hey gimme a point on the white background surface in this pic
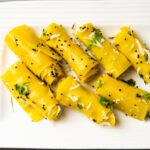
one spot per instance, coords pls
(73, 130)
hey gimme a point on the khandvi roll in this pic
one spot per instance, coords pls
(56, 37)
(70, 93)
(129, 44)
(31, 93)
(39, 58)
(107, 55)
(132, 101)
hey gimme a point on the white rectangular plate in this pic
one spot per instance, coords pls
(73, 130)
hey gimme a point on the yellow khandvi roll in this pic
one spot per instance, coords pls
(129, 44)
(70, 93)
(132, 101)
(56, 37)
(107, 55)
(39, 58)
(31, 93)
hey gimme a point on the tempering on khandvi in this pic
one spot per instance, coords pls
(72, 94)
(39, 58)
(56, 37)
(107, 55)
(32, 94)
(49, 66)
(131, 46)
(132, 101)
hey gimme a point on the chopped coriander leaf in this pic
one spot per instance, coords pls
(104, 102)
(12, 104)
(110, 106)
(130, 82)
(96, 37)
(79, 106)
(100, 84)
(43, 32)
(146, 96)
(89, 47)
(146, 57)
(22, 89)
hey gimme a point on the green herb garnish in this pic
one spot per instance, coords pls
(22, 89)
(96, 37)
(79, 106)
(130, 82)
(43, 32)
(146, 57)
(100, 84)
(146, 96)
(104, 102)
(89, 47)
(12, 104)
